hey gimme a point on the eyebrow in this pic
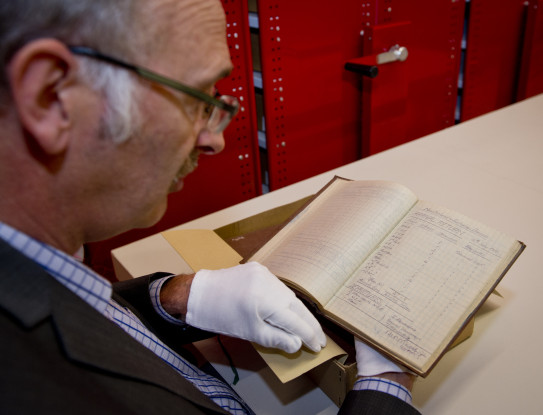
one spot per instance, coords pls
(212, 80)
(226, 72)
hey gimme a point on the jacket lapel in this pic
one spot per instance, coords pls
(30, 295)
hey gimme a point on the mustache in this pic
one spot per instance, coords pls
(190, 164)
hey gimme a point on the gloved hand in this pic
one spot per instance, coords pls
(370, 362)
(249, 302)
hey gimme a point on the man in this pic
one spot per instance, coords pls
(91, 145)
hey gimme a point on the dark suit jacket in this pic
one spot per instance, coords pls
(59, 356)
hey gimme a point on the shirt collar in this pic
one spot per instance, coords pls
(80, 279)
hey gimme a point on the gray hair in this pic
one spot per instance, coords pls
(121, 116)
(112, 26)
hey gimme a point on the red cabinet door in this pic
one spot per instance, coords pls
(417, 96)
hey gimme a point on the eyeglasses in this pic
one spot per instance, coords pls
(220, 109)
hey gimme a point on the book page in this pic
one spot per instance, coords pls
(415, 291)
(330, 238)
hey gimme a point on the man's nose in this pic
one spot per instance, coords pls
(210, 143)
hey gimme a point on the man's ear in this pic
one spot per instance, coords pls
(39, 74)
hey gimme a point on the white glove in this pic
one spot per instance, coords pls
(249, 302)
(370, 362)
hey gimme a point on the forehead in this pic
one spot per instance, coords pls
(193, 40)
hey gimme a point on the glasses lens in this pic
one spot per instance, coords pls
(220, 118)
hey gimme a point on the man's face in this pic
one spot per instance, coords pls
(154, 161)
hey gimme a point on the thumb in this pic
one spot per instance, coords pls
(292, 323)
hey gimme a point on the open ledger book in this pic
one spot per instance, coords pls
(402, 274)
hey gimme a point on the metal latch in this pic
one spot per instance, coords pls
(367, 65)
(395, 53)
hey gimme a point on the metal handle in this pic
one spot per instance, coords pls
(395, 53)
(367, 65)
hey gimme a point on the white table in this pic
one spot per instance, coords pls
(490, 168)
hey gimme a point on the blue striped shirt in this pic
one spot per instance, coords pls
(384, 385)
(97, 291)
